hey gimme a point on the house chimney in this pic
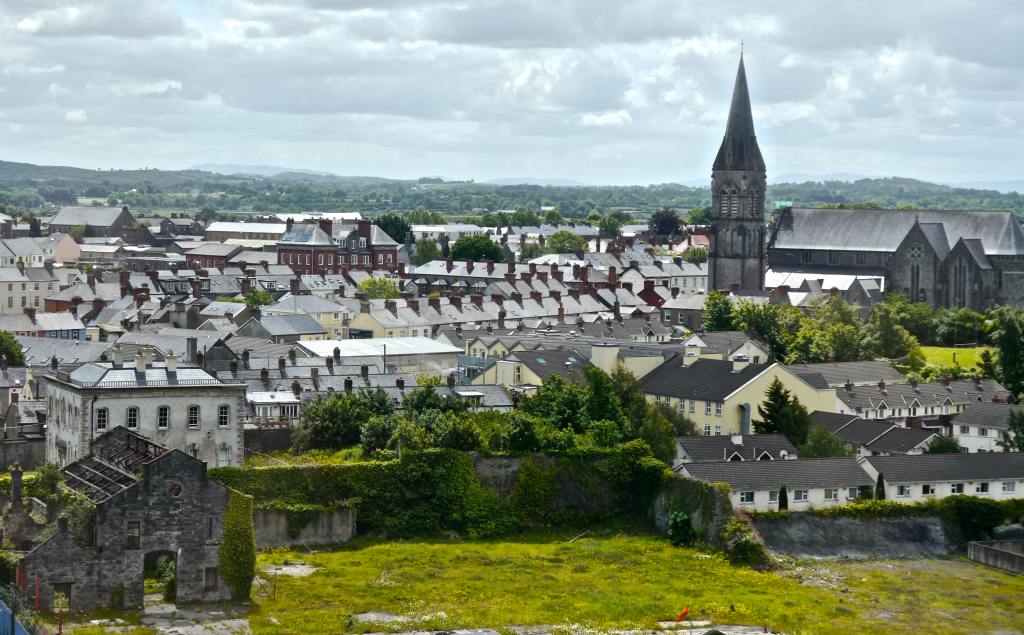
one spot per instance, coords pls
(326, 225)
(414, 304)
(448, 266)
(97, 304)
(348, 384)
(477, 299)
(90, 279)
(172, 362)
(233, 367)
(293, 285)
(314, 373)
(649, 286)
(296, 388)
(456, 301)
(337, 355)
(435, 303)
(391, 306)
(881, 385)
(400, 383)
(197, 288)
(117, 359)
(675, 292)
(536, 296)
(469, 266)
(191, 349)
(613, 276)
(628, 286)
(245, 358)
(511, 268)
(364, 370)
(264, 375)
(739, 363)
(140, 361)
(53, 363)
(490, 267)
(31, 313)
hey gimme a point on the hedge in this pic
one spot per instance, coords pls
(237, 549)
(425, 493)
(965, 518)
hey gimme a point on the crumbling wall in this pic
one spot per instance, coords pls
(810, 536)
(275, 529)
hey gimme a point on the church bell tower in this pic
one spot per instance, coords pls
(738, 184)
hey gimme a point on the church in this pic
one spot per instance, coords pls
(950, 258)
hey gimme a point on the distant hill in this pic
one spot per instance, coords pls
(255, 170)
(529, 180)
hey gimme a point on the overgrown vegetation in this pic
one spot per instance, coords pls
(237, 550)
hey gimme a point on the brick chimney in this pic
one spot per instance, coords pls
(326, 225)
(293, 285)
(414, 304)
(365, 228)
(435, 303)
(456, 301)
(490, 267)
(613, 276)
(31, 313)
(628, 286)
(536, 296)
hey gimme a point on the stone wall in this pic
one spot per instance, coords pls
(810, 536)
(498, 474)
(1006, 555)
(26, 451)
(323, 529)
(267, 439)
(707, 505)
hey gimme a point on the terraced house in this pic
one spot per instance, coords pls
(329, 247)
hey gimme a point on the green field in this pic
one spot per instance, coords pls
(943, 355)
(624, 580)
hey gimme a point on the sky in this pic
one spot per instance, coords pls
(598, 91)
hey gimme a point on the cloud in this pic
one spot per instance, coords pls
(488, 88)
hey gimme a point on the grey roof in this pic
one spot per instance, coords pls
(705, 379)
(877, 436)
(976, 249)
(39, 350)
(724, 342)
(307, 234)
(304, 304)
(884, 230)
(862, 398)
(987, 414)
(704, 448)
(739, 149)
(935, 233)
(833, 374)
(298, 324)
(106, 375)
(94, 216)
(544, 363)
(918, 468)
(771, 475)
(113, 465)
(43, 322)
(216, 249)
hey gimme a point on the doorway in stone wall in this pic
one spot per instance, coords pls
(160, 570)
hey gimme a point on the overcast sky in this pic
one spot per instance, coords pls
(600, 91)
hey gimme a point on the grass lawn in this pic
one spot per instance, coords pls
(943, 355)
(623, 580)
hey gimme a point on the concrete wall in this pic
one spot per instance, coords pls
(28, 452)
(325, 528)
(1007, 555)
(810, 536)
(498, 474)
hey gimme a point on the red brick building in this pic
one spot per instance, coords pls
(326, 247)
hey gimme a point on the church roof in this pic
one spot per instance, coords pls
(884, 229)
(739, 149)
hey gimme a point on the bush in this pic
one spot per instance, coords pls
(742, 545)
(238, 546)
(680, 531)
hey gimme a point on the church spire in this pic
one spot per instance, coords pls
(739, 151)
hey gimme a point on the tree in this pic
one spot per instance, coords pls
(699, 216)
(566, 242)
(427, 398)
(987, 364)
(529, 251)
(420, 216)
(658, 432)
(426, 251)
(11, 347)
(717, 312)
(783, 413)
(375, 433)
(610, 227)
(257, 298)
(880, 487)
(1012, 439)
(476, 249)
(78, 232)
(884, 336)
(783, 498)
(664, 222)
(696, 255)
(942, 444)
(822, 444)
(553, 217)
(379, 288)
(602, 402)
(336, 421)
(395, 226)
(1008, 338)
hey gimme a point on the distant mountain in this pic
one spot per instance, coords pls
(529, 180)
(1003, 187)
(800, 177)
(254, 170)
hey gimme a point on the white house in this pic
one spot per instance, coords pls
(981, 425)
(810, 483)
(923, 477)
(182, 408)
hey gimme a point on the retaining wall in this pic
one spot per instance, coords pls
(810, 536)
(324, 528)
(1007, 555)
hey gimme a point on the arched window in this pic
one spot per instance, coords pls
(131, 418)
(224, 416)
(193, 417)
(102, 416)
(915, 281)
(163, 417)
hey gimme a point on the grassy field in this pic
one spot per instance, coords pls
(943, 355)
(616, 580)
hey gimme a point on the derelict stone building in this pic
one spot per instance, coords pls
(149, 500)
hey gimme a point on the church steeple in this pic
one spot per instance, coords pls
(739, 151)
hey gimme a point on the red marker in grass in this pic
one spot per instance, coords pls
(683, 615)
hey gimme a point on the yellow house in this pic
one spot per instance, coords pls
(720, 396)
(332, 316)
(528, 369)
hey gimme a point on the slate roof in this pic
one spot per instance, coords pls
(704, 379)
(261, 228)
(923, 468)
(771, 475)
(222, 250)
(834, 374)
(884, 230)
(296, 324)
(39, 350)
(705, 448)
(105, 375)
(43, 322)
(724, 342)
(987, 414)
(93, 216)
(863, 398)
(876, 436)
(544, 363)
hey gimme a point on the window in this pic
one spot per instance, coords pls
(380, 259)
(707, 430)
(320, 260)
(355, 259)
(903, 490)
(518, 374)
(965, 429)
(982, 432)
(718, 431)
(209, 528)
(291, 259)
(956, 488)
(102, 416)
(981, 488)
(718, 408)
(927, 490)
(210, 579)
(391, 257)
(330, 259)
(131, 418)
(800, 495)
(773, 496)
(707, 407)
(366, 259)
(746, 498)
(693, 405)
(805, 257)
(1009, 486)
(224, 415)
(852, 493)
(163, 416)
(862, 258)
(831, 494)
(223, 456)
(134, 535)
(833, 257)
(362, 242)
(309, 259)
(193, 416)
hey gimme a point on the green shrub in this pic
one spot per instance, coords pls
(743, 546)
(238, 546)
(680, 531)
